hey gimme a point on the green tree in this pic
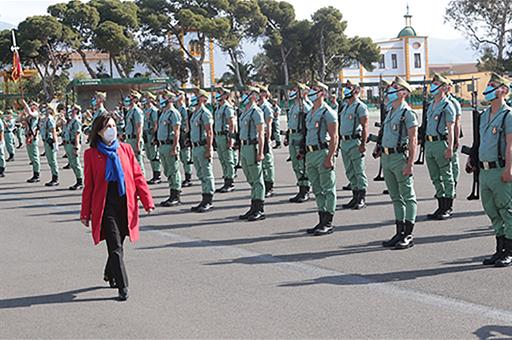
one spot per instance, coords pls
(111, 37)
(488, 25)
(82, 19)
(244, 70)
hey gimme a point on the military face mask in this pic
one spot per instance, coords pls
(490, 93)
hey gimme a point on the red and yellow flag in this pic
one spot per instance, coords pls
(17, 70)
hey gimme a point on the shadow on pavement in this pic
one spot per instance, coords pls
(494, 332)
(64, 297)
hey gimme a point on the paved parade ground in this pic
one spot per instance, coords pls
(213, 276)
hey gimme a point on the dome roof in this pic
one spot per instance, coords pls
(407, 31)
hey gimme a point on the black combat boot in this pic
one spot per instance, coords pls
(321, 221)
(327, 227)
(34, 178)
(506, 254)
(295, 198)
(444, 212)
(173, 200)
(11, 158)
(249, 212)
(66, 167)
(258, 213)
(407, 240)
(360, 200)
(227, 187)
(498, 254)
(435, 214)
(304, 194)
(269, 189)
(54, 182)
(2, 169)
(207, 203)
(78, 185)
(157, 179)
(188, 181)
(449, 206)
(347, 187)
(397, 237)
(352, 202)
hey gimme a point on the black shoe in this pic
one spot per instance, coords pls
(321, 221)
(444, 213)
(123, 294)
(352, 202)
(269, 189)
(78, 185)
(506, 258)
(54, 182)
(19, 146)
(407, 240)
(397, 237)
(258, 213)
(360, 200)
(435, 214)
(227, 187)
(156, 178)
(385, 192)
(206, 205)
(66, 167)
(111, 281)
(2, 169)
(34, 178)
(173, 200)
(188, 181)
(498, 254)
(11, 158)
(347, 187)
(249, 212)
(327, 227)
(305, 195)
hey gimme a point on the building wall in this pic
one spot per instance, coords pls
(463, 90)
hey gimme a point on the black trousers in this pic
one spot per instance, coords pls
(114, 235)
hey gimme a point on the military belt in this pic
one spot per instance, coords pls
(435, 138)
(166, 142)
(311, 148)
(131, 136)
(390, 151)
(221, 133)
(492, 165)
(197, 144)
(350, 137)
(250, 142)
(294, 130)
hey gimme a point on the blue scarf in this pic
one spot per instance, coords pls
(114, 170)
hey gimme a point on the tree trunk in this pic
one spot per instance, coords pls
(86, 63)
(118, 67)
(43, 80)
(322, 56)
(285, 66)
(236, 65)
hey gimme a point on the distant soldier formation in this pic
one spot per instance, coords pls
(177, 130)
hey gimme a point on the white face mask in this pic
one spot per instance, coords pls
(110, 134)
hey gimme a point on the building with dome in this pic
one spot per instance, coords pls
(405, 56)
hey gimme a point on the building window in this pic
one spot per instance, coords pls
(417, 60)
(394, 61)
(382, 61)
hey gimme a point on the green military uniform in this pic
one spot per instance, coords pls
(322, 180)
(334, 105)
(455, 158)
(169, 119)
(268, 162)
(2, 144)
(10, 126)
(439, 115)
(296, 129)
(226, 154)
(99, 112)
(350, 140)
(50, 145)
(204, 169)
(32, 141)
(151, 117)
(276, 126)
(135, 117)
(185, 150)
(72, 128)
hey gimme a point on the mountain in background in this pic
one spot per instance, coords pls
(5, 26)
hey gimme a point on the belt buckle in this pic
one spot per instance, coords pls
(310, 148)
(386, 151)
(487, 165)
(430, 139)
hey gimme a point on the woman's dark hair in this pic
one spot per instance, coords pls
(99, 123)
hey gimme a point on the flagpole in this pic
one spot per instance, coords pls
(15, 49)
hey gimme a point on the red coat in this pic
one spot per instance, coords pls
(94, 194)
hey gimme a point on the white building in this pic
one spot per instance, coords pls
(405, 56)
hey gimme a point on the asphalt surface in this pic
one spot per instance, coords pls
(212, 276)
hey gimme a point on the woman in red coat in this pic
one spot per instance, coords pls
(113, 183)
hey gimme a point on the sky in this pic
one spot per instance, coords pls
(377, 19)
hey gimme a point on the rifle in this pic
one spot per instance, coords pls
(188, 142)
(380, 124)
(423, 128)
(301, 156)
(238, 142)
(472, 151)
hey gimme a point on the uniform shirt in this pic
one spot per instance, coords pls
(248, 122)
(10, 125)
(333, 104)
(2, 130)
(200, 118)
(152, 114)
(350, 116)
(316, 124)
(32, 123)
(46, 128)
(490, 130)
(182, 109)
(71, 129)
(166, 123)
(456, 105)
(120, 122)
(294, 114)
(99, 112)
(134, 116)
(222, 115)
(438, 115)
(392, 125)
(268, 110)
